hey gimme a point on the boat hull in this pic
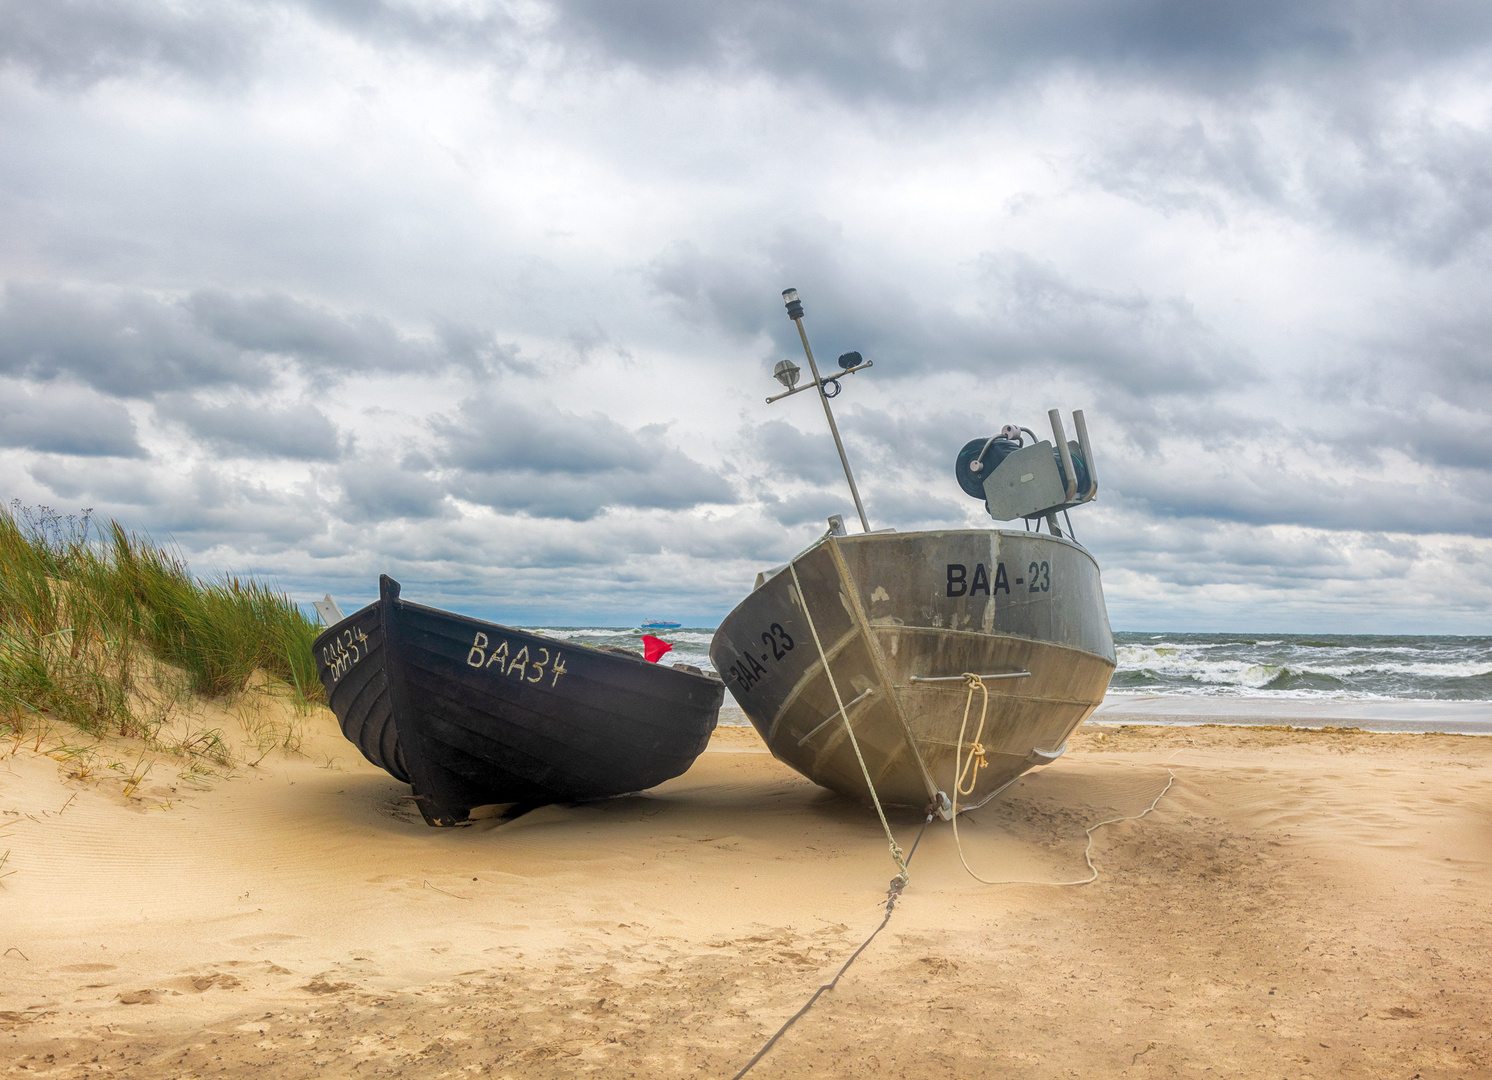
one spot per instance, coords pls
(484, 714)
(893, 609)
(350, 661)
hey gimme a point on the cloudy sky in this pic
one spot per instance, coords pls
(486, 295)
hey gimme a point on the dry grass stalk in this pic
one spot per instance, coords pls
(108, 635)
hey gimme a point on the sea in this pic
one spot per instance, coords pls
(1382, 682)
(1305, 666)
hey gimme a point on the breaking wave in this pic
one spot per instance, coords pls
(1427, 668)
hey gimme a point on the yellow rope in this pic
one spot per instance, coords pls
(976, 761)
(976, 751)
(896, 853)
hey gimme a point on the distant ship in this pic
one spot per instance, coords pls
(659, 624)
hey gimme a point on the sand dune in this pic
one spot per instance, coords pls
(1299, 904)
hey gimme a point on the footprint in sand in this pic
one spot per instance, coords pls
(140, 997)
(319, 985)
(200, 984)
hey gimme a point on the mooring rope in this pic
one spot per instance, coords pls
(892, 895)
(896, 853)
(964, 771)
(898, 883)
(977, 755)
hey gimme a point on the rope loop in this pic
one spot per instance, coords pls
(969, 769)
(967, 772)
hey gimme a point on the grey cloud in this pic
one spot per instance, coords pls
(1283, 567)
(208, 508)
(134, 344)
(318, 339)
(915, 507)
(556, 464)
(957, 47)
(1424, 389)
(1191, 166)
(1424, 189)
(123, 342)
(791, 454)
(486, 32)
(1420, 187)
(808, 506)
(1225, 486)
(79, 42)
(376, 491)
(298, 432)
(878, 50)
(1445, 353)
(1135, 342)
(1463, 444)
(66, 419)
(1031, 315)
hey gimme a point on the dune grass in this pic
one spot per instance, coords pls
(83, 609)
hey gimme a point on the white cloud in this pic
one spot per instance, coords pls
(485, 295)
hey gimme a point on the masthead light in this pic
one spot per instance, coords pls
(794, 305)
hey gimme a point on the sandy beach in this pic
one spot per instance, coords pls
(1299, 904)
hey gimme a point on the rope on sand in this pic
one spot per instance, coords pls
(892, 895)
(966, 775)
(976, 761)
(898, 883)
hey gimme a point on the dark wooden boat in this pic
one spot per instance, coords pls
(470, 713)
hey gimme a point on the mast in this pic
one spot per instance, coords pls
(795, 313)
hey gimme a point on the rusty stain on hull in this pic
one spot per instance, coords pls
(893, 606)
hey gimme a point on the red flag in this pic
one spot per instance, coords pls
(654, 648)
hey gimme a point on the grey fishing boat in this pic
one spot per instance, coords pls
(939, 665)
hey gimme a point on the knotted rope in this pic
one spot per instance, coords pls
(970, 770)
(976, 759)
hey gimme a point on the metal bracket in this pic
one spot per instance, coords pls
(1046, 757)
(821, 382)
(943, 807)
(848, 706)
(962, 678)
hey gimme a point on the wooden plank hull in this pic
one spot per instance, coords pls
(894, 608)
(483, 713)
(350, 661)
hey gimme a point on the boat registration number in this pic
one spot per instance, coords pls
(962, 583)
(345, 651)
(519, 665)
(776, 644)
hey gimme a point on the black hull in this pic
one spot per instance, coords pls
(471, 713)
(350, 661)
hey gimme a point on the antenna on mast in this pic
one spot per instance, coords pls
(787, 373)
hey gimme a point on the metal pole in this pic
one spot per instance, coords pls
(833, 427)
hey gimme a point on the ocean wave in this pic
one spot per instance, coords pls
(1315, 666)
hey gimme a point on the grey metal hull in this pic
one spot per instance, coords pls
(889, 607)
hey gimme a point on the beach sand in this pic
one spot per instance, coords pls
(1299, 904)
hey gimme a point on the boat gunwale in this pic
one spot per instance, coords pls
(593, 649)
(1032, 534)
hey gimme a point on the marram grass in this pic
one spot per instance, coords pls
(82, 612)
